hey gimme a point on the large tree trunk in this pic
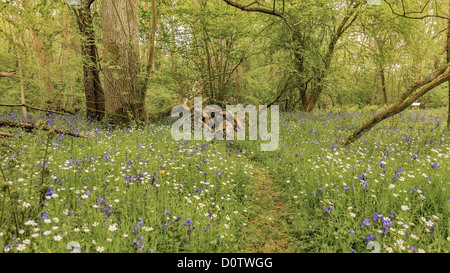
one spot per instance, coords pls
(41, 51)
(124, 92)
(412, 93)
(448, 61)
(95, 97)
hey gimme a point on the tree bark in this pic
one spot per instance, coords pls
(448, 61)
(374, 89)
(309, 102)
(22, 91)
(383, 85)
(95, 97)
(42, 53)
(151, 51)
(411, 94)
(124, 92)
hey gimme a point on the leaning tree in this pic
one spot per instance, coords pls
(421, 86)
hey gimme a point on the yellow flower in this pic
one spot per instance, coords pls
(162, 171)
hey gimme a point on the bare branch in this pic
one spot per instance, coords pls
(38, 109)
(405, 14)
(31, 126)
(261, 10)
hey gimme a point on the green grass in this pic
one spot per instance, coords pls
(396, 175)
(138, 190)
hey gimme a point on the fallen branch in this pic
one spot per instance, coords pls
(4, 144)
(167, 111)
(9, 148)
(37, 109)
(7, 73)
(30, 126)
(5, 134)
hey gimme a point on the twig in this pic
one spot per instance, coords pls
(30, 126)
(37, 109)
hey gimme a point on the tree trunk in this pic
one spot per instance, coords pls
(42, 53)
(374, 89)
(124, 92)
(95, 97)
(383, 85)
(448, 61)
(151, 51)
(22, 91)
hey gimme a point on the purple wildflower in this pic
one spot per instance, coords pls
(369, 237)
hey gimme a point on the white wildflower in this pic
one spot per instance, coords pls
(21, 247)
(112, 227)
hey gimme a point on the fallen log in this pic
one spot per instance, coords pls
(8, 73)
(167, 111)
(4, 144)
(9, 148)
(38, 109)
(5, 134)
(30, 126)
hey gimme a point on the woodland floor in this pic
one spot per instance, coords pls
(268, 225)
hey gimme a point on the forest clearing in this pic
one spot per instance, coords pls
(343, 144)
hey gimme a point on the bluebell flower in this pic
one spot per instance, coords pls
(8, 246)
(365, 223)
(139, 242)
(369, 237)
(106, 210)
(364, 185)
(187, 222)
(49, 192)
(138, 225)
(375, 217)
(44, 215)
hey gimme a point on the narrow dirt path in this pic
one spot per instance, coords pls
(268, 231)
